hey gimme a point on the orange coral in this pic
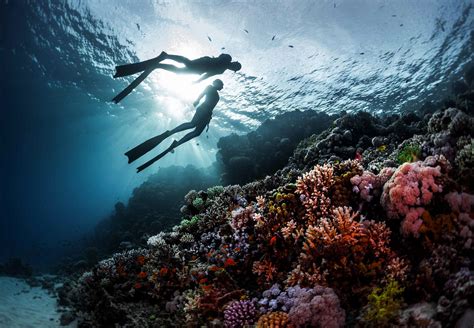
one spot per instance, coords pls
(264, 268)
(274, 319)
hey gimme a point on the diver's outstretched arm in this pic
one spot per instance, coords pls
(175, 144)
(200, 97)
(204, 76)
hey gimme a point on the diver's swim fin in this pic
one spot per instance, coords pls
(145, 147)
(156, 158)
(131, 86)
(130, 69)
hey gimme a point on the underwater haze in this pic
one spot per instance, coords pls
(63, 140)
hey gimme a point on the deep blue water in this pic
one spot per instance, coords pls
(62, 141)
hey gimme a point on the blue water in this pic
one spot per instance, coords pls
(62, 164)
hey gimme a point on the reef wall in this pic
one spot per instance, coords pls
(370, 224)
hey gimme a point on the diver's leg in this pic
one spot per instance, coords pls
(193, 134)
(177, 58)
(175, 144)
(129, 69)
(182, 127)
(174, 69)
(151, 143)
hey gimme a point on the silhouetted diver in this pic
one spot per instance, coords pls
(201, 118)
(204, 66)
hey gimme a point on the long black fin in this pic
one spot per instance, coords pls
(145, 147)
(158, 157)
(131, 86)
(130, 69)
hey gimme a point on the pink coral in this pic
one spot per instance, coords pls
(241, 217)
(409, 189)
(369, 185)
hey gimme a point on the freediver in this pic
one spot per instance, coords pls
(200, 120)
(204, 66)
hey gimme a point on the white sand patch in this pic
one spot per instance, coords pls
(23, 306)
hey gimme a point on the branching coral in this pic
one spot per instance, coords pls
(344, 249)
(314, 188)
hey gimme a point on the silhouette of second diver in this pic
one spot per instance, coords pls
(204, 66)
(200, 120)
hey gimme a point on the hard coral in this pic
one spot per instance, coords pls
(317, 307)
(274, 319)
(384, 305)
(239, 314)
(314, 188)
(409, 189)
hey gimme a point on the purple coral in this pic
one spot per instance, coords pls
(316, 307)
(240, 314)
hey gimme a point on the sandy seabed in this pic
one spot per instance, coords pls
(24, 306)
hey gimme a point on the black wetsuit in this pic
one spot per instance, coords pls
(207, 65)
(203, 113)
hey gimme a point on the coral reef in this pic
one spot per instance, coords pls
(369, 224)
(261, 152)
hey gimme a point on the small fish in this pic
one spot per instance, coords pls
(203, 280)
(229, 262)
(137, 285)
(394, 15)
(209, 38)
(172, 151)
(223, 48)
(138, 26)
(206, 287)
(213, 268)
(290, 46)
(141, 259)
(382, 148)
(197, 143)
(273, 240)
(142, 275)
(163, 271)
(401, 24)
(334, 5)
(246, 31)
(274, 37)
(358, 156)
(362, 53)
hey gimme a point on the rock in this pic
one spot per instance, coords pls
(66, 318)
